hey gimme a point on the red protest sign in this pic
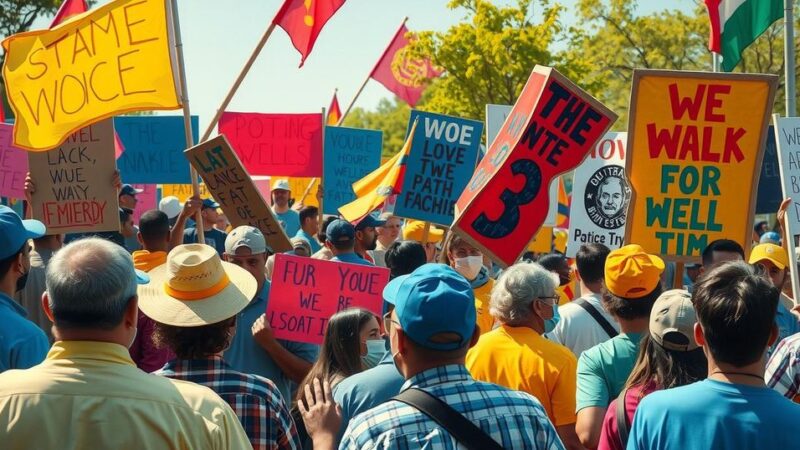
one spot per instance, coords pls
(306, 292)
(550, 130)
(288, 145)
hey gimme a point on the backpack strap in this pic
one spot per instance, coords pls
(623, 427)
(604, 324)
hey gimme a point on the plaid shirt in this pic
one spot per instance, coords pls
(783, 369)
(514, 419)
(255, 400)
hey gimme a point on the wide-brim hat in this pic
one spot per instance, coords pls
(195, 288)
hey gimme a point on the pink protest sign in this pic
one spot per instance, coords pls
(13, 165)
(262, 184)
(144, 201)
(306, 292)
(288, 145)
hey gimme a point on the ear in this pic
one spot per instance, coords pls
(577, 274)
(450, 257)
(402, 342)
(46, 307)
(131, 317)
(21, 261)
(699, 337)
(141, 241)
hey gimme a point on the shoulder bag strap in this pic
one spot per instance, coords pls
(622, 419)
(610, 331)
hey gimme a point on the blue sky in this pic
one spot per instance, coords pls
(219, 35)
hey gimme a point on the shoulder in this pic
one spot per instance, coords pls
(558, 354)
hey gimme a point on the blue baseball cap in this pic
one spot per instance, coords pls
(128, 189)
(370, 220)
(209, 203)
(14, 232)
(340, 232)
(431, 300)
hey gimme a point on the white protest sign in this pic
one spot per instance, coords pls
(787, 138)
(600, 196)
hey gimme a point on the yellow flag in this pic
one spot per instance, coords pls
(108, 61)
(373, 189)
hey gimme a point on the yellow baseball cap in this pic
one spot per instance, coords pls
(774, 253)
(414, 229)
(632, 273)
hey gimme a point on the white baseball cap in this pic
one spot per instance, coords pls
(170, 206)
(281, 184)
(245, 236)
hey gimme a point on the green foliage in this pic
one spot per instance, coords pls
(391, 117)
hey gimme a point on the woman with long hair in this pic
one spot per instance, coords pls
(668, 357)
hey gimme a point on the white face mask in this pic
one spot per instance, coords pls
(469, 266)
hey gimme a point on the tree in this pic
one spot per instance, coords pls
(391, 117)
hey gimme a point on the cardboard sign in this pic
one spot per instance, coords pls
(495, 117)
(600, 196)
(183, 191)
(443, 156)
(74, 191)
(769, 183)
(154, 148)
(695, 144)
(276, 144)
(551, 128)
(787, 137)
(145, 201)
(231, 186)
(350, 154)
(13, 165)
(306, 292)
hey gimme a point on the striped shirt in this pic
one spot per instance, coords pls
(783, 369)
(255, 400)
(514, 419)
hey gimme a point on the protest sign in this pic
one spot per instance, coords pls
(145, 200)
(112, 60)
(299, 186)
(495, 116)
(787, 138)
(600, 196)
(262, 184)
(350, 154)
(306, 292)
(231, 186)
(695, 145)
(154, 148)
(551, 128)
(769, 183)
(443, 156)
(542, 241)
(276, 144)
(13, 165)
(74, 190)
(183, 191)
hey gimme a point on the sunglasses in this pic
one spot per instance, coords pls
(550, 301)
(387, 322)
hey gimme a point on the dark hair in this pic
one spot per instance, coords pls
(666, 368)
(195, 342)
(307, 212)
(736, 306)
(6, 263)
(340, 353)
(720, 245)
(591, 262)
(324, 226)
(403, 257)
(552, 262)
(630, 308)
(154, 227)
(758, 227)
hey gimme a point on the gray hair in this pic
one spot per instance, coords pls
(516, 289)
(89, 284)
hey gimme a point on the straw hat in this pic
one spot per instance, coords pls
(195, 288)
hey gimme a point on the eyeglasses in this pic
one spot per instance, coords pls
(550, 300)
(387, 322)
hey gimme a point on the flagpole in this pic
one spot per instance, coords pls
(322, 175)
(789, 59)
(187, 115)
(352, 102)
(715, 61)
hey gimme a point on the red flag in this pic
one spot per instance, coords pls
(303, 21)
(334, 113)
(68, 9)
(404, 76)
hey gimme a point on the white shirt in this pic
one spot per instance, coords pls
(577, 330)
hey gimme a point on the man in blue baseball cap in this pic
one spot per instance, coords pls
(367, 236)
(208, 211)
(340, 238)
(22, 343)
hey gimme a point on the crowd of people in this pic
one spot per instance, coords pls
(145, 338)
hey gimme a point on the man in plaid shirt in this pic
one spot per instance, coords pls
(783, 369)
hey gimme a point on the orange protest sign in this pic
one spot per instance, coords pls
(695, 145)
(183, 191)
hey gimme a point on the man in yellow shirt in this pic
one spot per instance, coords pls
(516, 356)
(468, 261)
(88, 393)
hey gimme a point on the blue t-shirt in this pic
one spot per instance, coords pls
(603, 370)
(315, 247)
(22, 343)
(351, 258)
(715, 415)
(214, 238)
(290, 221)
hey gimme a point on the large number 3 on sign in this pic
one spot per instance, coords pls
(508, 220)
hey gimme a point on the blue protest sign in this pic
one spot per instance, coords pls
(769, 183)
(350, 154)
(443, 157)
(154, 148)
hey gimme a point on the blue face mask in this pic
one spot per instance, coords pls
(376, 348)
(550, 324)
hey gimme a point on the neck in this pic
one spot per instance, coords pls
(337, 252)
(8, 285)
(414, 368)
(639, 325)
(207, 226)
(751, 374)
(536, 325)
(109, 336)
(156, 248)
(280, 209)
(385, 240)
(359, 249)
(594, 288)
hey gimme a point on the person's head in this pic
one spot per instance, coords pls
(774, 260)
(433, 321)
(735, 307)
(324, 227)
(91, 292)
(414, 230)
(610, 196)
(127, 196)
(721, 250)
(171, 206)
(300, 247)
(246, 247)
(344, 346)
(281, 194)
(126, 228)
(462, 256)
(209, 213)
(15, 249)
(760, 228)
(309, 219)
(632, 282)
(524, 295)
(366, 236)
(340, 237)
(389, 231)
(669, 355)
(770, 237)
(591, 262)
(154, 231)
(558, 264)
(222, 222)
(404, 257)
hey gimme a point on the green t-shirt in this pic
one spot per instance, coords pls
(604, 368)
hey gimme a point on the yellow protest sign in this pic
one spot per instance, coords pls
(299, 186)
(111, 60)
(695, 145)
(183, 191)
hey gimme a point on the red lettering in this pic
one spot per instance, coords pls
(681, 106)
